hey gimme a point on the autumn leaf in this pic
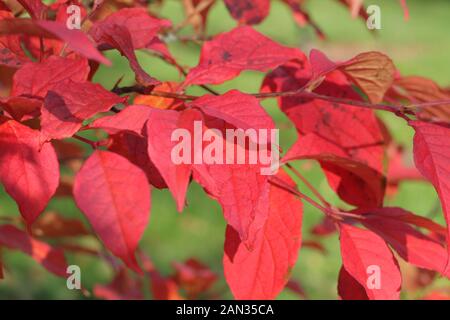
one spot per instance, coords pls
(349, 288)
(160, 102)
(159, 128)
(139, 23)
(373, 72)
(365, 255)
(243, 48)
(419, 90)
(68, 104)
(35, 79)
(132, 119)
(28, 170)
(346, 140)
(248, 11)
(75, 39)
(238, 109)
(134, 148)
(431, 155)
(122, 287)
(50, 258)
(115, 197)
(412, 245)
(263, 271)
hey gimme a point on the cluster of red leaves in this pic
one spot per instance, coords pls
(51, 99)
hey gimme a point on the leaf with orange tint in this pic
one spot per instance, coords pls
(419, 89)
(371, 71)
(159, 102)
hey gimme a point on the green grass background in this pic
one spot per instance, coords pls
(420, 46)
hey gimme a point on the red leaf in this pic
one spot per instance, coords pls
(29, 172)
(241, 189)
(160, 126)
(238, 109)
(134, 148)
(127, 30)
(248, 11)
(19, 107)
(123, 287)
(356, 8)
(162, 288)
(320, 64)
(419, 89)
(51, 259)
(132, 118)
(432, 158)
(35, 79)
(363, 250)
(115, 197)
(353, 181)
(349, 288)
(346, 140)
(68, 104)
(11, 52)
(193, 277)
(243, 48)
(405, 9)
(413, 246)
(142, 27)
(75, 39)
(263, 271)
(400, 214)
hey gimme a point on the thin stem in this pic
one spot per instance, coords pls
(280, 183)
(172, 95)
(423, 105)
(309, 185)
(93, 144)
(330, 212)
(63, 49)
(306, 94)
(400, 110)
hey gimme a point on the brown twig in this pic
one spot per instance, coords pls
(93, 144)
(400, 110)
(329, 211)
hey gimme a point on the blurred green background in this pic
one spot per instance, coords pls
(420, 46)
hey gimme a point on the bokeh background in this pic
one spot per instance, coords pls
(420, 46)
